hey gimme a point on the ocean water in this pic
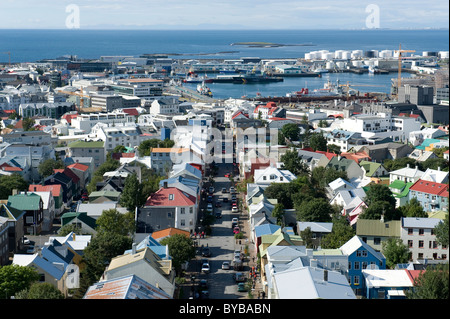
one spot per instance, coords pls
(33, 45)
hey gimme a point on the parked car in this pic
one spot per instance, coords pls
(209, 207)
(218, 215)
(211, 190)
(226, 265)
(227, 175)
(241, 287)
(224, 190)
(206, 252)
(225, 199)
(236, 230)
(210, 199)
(234, 209)
(239, 277)
(232, 190)
(30, 250)
(205, 268)
(235, 220)
(26, 241)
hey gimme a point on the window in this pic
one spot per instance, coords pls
(191, 210)
(356, 265)
(356, 280)
(182, 222)
(420, 243)
(421, 232)
(410, 231)
(364, 265)
(170, 196)
(377, 240)
(349, 265)
(183, 210)
(410, 244)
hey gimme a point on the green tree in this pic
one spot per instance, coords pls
(119, 149)
(322, 176)
(306, 236)
(412, 209)
(441, 231)
(293, 163)
(181, 249)
(314, 210)
(291, 131)
(435, 163)
(379, 192)
(46, 167)
(40, 290)
(15, 278)
(114, 222)
(278, 213)
(395, 252)
(28, 124)
(10, 182)
(431, 284)
(440, 151)
(145, 147)
(68, 228)
(378, 209)
(333, 148)
(317, 142)
(341, 233)
(132, 195)
(398, 163)
(108, 166)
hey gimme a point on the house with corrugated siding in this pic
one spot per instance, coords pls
(33, 206)
(361, 256)
(376, 232)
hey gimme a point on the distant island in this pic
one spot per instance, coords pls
(268, 44)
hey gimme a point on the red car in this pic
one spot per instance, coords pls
(227, 175)
(236, 230)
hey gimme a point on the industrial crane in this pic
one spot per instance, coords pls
(79, 94)
(400, 51)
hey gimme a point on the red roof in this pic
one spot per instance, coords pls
(409, 115)
(238, 113)
(327, 154)
(428, 187)
(131, 111)
(170, 196)
(78, 166)
(68, 117)
(413, 274)
(55, 189)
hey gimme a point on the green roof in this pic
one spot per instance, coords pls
(397, 184)
(10, 212)
(370, 167)
(29, 201)
(68, 217)
(104, 193)
(84, 144)
(371, 227)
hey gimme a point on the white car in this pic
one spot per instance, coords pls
(226, 265)
(231, 189)
(209, 207)
(234, 209)
(234, 220)
(205, 268)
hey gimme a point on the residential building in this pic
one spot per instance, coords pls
(55, 190)
(168, 207)
(373, 169)
(66, 184)
(400, 190)
(271, 175)
(162, 159)
(48, 209)
(435, 175)
(165, 106)
(85, 122)
(128, 135)
(419, 236)
(35, 138)
(341, 164)
(381, 152)
(145, 264)
(107, 102)
(81, 220)
(388, 283)
(318, 231)
(361, 256)
(33, 207)
(432, 196)
(4, 241)
(16, 229)
(406, 174)
(51, 110)
(82, 172)
(126, 287)
(376, 232)
(94, 149)
(144, 88)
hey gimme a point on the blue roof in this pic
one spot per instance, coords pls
(266, 229)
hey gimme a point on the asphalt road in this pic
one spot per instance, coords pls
(222, 243)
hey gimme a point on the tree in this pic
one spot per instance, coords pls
(435, 163)
(145, 147)
(10, 182)
(119, 149)
(28, 124)
(440, 151)
(378, 210)
(431, 284)
(395, 164)
(132, 195)
(114, 222)
(412, 209)
(108, 166)
(46, 167)
(340, 233)
(291, 131)
(379, 192)
(293, 163)
(181, 249)
(278, 213)
(441, 231)
(40, 290)
(317, 142)
(314, 210)
(322, 176)
(333, 148)
(15, 278)
(68, 228)
(306, 236)
(395, 252)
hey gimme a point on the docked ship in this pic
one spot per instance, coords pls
(194, 78)
(204, 90)
(254, 78)
(328, 89)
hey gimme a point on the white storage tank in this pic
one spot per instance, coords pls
(338, 54)
(307, 56)
(346, 55)
(341, 65)
(357, 54)
(329, 65)
(357, 63)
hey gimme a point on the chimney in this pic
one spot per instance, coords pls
(133, 248)
(165, 184)
(325, 275)
(439, 168)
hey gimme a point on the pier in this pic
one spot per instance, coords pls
(190, 94)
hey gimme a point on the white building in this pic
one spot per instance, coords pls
(165, 106)
(406, 174)
(271, 175)
(127, 134)
(85, 122)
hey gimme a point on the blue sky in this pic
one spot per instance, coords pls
(223, 14)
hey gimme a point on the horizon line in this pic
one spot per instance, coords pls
(227, 29)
